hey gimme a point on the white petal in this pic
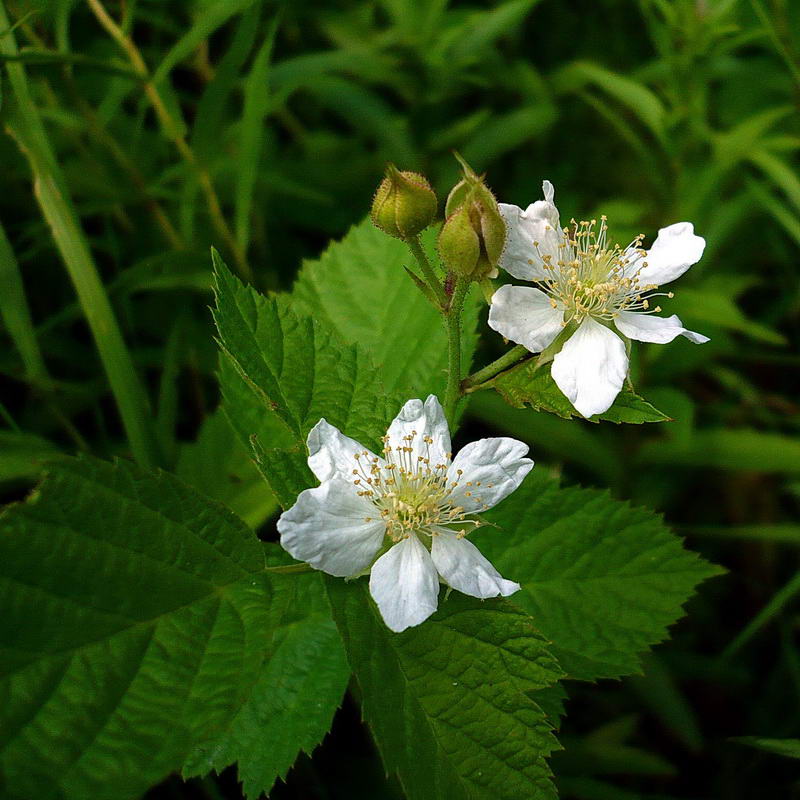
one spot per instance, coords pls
(418, 420)
(331, 453)
(591, 367)
(328, 528)
(526, 316)
(465, 568)
(647, 328)
(675, 250)
(490, 470)
(531, 234)
(404, 584)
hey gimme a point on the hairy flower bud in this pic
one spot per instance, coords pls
(459, 244)
(474, 234)
(404, 205)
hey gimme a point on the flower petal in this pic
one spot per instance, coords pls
(647, 328)
(328, 527)
(490, 470)
(404, 584)
(465, 568)
(675, 249)
(331, 453)
(418, 420)
(531, 234)
(591, 368)
(526, 316)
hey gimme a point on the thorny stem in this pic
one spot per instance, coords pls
(173, 132)
(453, 322)
(427, 270)
(509, 359)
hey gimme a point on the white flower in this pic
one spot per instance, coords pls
(414, 501)
(587, 284)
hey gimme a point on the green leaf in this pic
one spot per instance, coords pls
(716, 308)
(783, 747)
(360, 289)
(135, 620)
(293, 702)
(602, 579)
(739, 142)
(723, 448)
(639, 100)
(286, 471)
(294, 367)
(449, 701)
(507, 132)
(212, 16)
(221, 467)
(525, 385)
(467, 41)
(281, 372)
(213, 109)
(256, 106)
(23, 455)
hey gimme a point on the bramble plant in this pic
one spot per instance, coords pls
(152, 631)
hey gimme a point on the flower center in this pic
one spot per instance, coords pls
(410, 494)
(592, 278)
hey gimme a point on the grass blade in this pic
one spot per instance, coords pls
(49, 186)
(16, 315)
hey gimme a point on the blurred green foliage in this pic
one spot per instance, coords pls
(144, 131)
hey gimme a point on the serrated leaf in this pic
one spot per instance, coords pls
(293, 702)
(449, 701)
(290, 371)
(359, 288)
(525, 385)
(602, 579)
(286, 471)
(135, 619)
(551, 700)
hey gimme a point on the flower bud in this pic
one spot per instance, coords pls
(404, 204)
(474, 234)
(459, 244)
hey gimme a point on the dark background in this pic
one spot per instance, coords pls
(651, 112)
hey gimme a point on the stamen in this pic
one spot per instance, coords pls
(410, 494)
(593, 278)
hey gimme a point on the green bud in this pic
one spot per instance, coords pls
(459, 244)
(404, 205)
(474, 234)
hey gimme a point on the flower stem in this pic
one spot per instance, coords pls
(453, 322)
(495, 368)
(427, 270)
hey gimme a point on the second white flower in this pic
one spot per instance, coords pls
(412, 499)
(587, 285)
